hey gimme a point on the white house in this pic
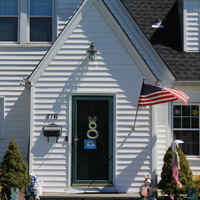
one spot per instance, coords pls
(49, 87)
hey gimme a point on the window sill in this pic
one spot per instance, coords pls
(193, 158)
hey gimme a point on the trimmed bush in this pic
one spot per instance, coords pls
(14, 172)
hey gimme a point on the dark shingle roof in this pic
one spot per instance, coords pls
(168, 40)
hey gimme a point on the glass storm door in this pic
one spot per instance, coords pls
(92, 141)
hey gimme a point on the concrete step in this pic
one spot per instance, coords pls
(89, 196)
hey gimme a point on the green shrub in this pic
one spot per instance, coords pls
(196, 184)
(167, 184)
(14, 172)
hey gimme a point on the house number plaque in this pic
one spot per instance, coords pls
(51, 116)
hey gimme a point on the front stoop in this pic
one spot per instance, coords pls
(93, 196)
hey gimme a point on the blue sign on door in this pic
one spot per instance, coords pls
(90, 144)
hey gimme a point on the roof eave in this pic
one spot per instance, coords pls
(158, 61)
(60, 40)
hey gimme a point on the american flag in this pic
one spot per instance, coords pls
(153, 94)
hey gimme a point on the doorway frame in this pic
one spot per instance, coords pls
(111, 167)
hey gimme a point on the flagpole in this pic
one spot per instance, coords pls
(136, 114)
(135, 117)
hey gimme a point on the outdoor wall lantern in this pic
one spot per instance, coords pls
(52, 130)
(92, 53)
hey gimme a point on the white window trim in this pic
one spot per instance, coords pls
(23, 15)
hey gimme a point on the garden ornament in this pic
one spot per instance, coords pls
(14, 194)
(21, 194)
(147, 184)
(176, 163)
(92, 126)
(148, 181)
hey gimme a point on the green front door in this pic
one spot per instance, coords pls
(92, 141)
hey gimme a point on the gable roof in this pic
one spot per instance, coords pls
(76, 18)
(167, 41)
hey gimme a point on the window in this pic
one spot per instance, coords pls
(24, 21)
(186, 127)
(8, 20)
(40, 20)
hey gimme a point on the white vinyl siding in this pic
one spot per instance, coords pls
(1, 116)
(18, 62)
(192, 25)
(61, 13)
(114, 73)
(162, 131)
(65, 10)
(15, 63)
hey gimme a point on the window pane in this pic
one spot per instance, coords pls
(177, 110)
(40, 29)
(195, 136)
(185, 148)
(195, 149)
(186, 136)
(186, 122)
(185, 110)
(195, 122)
(177, 135)
(8, 28)
(177, 122)
(9, 7)
(195, 116)
(41, 8)
(195, 110)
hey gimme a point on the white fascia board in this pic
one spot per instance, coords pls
(159, 63)
(61, 39)
(128, 45)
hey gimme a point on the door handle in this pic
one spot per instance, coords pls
(76, 139)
